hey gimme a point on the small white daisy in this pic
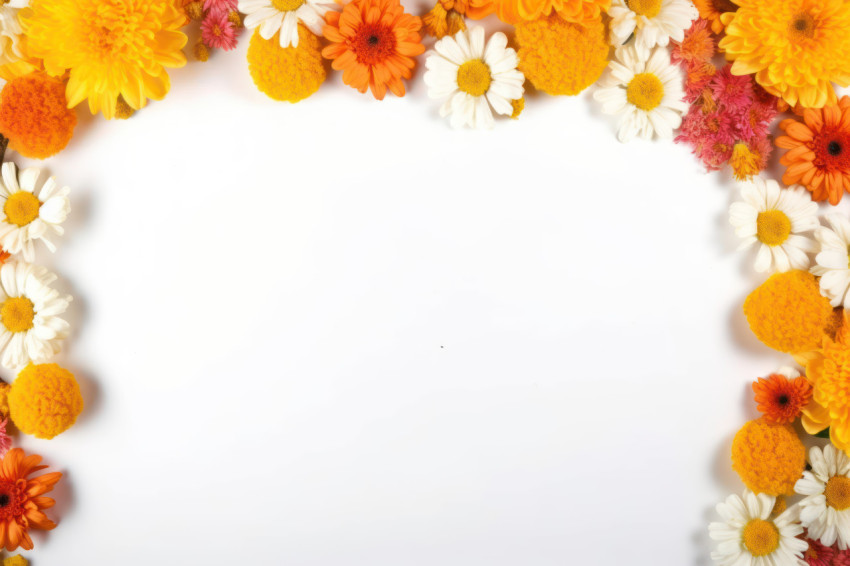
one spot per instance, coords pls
(776, 218)
(654, 22)
(10, 31)
(30, 327)
(825, 511)
(832, 263)
(475, 76)
(647, 92)
(272, 16)
(748, 536)
(28, 215)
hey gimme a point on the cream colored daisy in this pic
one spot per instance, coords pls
(10, 31)
(825, 511)
(832, 262)
(272, 16)
(645, 92)
(28, 214)
(30, 327)
(748, 536)
(653, 22)
(476, 77)
(776, 219)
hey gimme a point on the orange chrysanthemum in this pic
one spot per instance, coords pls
(582, 12)
(446, 18)
(21, 500)
(818, 154)
(34, 115)
(373, 43)
(795, 48)
(711, 10)
(781, 400)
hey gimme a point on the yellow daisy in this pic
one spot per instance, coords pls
(110, 47)
(795, 48)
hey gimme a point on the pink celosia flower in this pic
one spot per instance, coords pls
(217, 32)
(5, 440)
(818, 554)
(698, 46)
(219, 7)
(841, 558)
(734, 91)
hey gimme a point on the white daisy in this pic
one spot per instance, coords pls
(775, 218)
(30, 327)
(654, 22)
(646, 91)
(832, 263)
(10, 31)
(825, 511)
(748, 536)
(272, 16)
(475, 76)
(28, 215)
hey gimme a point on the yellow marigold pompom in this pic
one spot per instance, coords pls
(45, 400)
(769, 458)
(788, 313)
(560, 57)
(34, 115)
(290, 73)
(16, 560)
(4, 399)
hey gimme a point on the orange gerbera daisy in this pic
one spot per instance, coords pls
(582, 12)
(711, 10)
(21, 500)
(373, 43)
(781, 400)
(818, 154)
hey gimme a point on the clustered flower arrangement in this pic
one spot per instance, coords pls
(656, 66)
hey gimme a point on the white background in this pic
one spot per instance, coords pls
(341, 333)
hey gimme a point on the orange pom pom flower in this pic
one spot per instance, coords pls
(373, 43)
(34, 115)
(582, 12)
(781, 399)
(818, 155)
(21, 500)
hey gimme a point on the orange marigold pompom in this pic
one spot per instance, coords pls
(291, 73)
(582, 12)
(788, 313)
(34, 115)
(769, 458)
(45, 400)
(559, 57)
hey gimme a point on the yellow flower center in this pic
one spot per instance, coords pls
(645, 91)
(287, 5)
(773, 227)
(837, 493)
(17, 314)
(473, 77)
(21, 208)
(648, 8)
(760, 537)
(802, 26)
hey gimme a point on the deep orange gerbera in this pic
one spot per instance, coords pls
(21, 500)
(711, 10)
(373, 43)
(781, 400)
(818, 154)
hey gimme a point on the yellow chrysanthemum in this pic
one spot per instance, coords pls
(796, 48)
(788, 313)
(829, 373)
(111, 47)
(769, 458)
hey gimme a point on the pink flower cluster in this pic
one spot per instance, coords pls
(820, 555)
(219, 27)
(730, 116)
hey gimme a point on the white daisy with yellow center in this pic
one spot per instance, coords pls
(776, 219)
(749, 536)
(272, 16)
(29, 214)
(11, 31)
(825, 510)
(30, 327)
(653, 22)
(832, 262)
(476, 77)
(645, 91)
